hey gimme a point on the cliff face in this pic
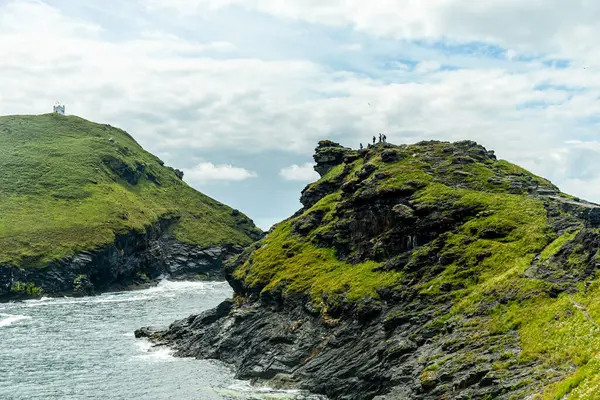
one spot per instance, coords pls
(133, 259)
(429, 271)
(84, 208)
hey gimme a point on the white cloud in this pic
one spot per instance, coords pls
(511, 54)
(178, 92)
(352, 47)
(427, 66)
(207, 171)
(565, 27)
(303, 173)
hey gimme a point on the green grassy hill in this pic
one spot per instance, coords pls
(486, 274)
(67, 185)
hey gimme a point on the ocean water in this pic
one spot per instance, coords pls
(84, 348)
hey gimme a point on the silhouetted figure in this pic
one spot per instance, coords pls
(380, 137)
(384, 138)
(373, 139)
(361, 146)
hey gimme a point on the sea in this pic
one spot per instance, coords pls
(84, 348)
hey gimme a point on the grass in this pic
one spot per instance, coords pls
(556, 245)
(64, 188)
(294, 265)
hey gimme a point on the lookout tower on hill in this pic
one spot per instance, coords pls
(59, 108)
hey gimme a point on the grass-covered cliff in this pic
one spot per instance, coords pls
(428, 271)
(452, 212)
(68, 185)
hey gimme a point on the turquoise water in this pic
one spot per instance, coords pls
(84, 348)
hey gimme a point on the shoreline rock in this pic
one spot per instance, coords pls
(134, 259)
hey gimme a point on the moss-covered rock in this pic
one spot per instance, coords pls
(427, 271)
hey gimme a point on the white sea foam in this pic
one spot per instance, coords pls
(165, 288)
(242, 387)
(88, 300)
(45, 298)
(153, 353)
(178, 286)
(9, 319)
(246, 391)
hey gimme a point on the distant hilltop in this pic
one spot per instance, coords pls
(84, 208)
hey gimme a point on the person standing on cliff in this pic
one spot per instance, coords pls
(380, 138)
(384, 138)
(373, 139)
(361, 146)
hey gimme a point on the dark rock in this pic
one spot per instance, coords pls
(350, 186)
(146, 332)
(351, 157)
(82, 286)
(366, 171)
(328, 155)
(152, 178)
(125, 171)
(446, 287)
(462, 160)
(489, 380)
(390, 156)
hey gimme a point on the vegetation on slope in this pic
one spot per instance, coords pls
(294, 257)
(451, 223)
(68, 185)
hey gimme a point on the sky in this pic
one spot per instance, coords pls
(237, 93)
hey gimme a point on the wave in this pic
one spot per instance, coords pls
(9, 319)
(87, 300)
(45, 298)
(153, 353)
(243, 392)
(244, 388)
(165, 288)
(166, 285)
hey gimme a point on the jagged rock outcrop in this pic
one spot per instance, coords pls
(429, 271)
(329, 154)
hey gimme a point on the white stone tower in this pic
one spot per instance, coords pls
(59, 108)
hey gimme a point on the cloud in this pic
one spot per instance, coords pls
(208, 79)
(206, 172)
(352, 47)
(427, 66)
(564, 27)
(303, 173)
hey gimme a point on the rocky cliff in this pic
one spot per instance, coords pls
(428, 271)
(84, 208)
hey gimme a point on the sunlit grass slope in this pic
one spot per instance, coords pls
(67, 185)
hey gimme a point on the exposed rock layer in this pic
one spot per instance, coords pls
(135, 258)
